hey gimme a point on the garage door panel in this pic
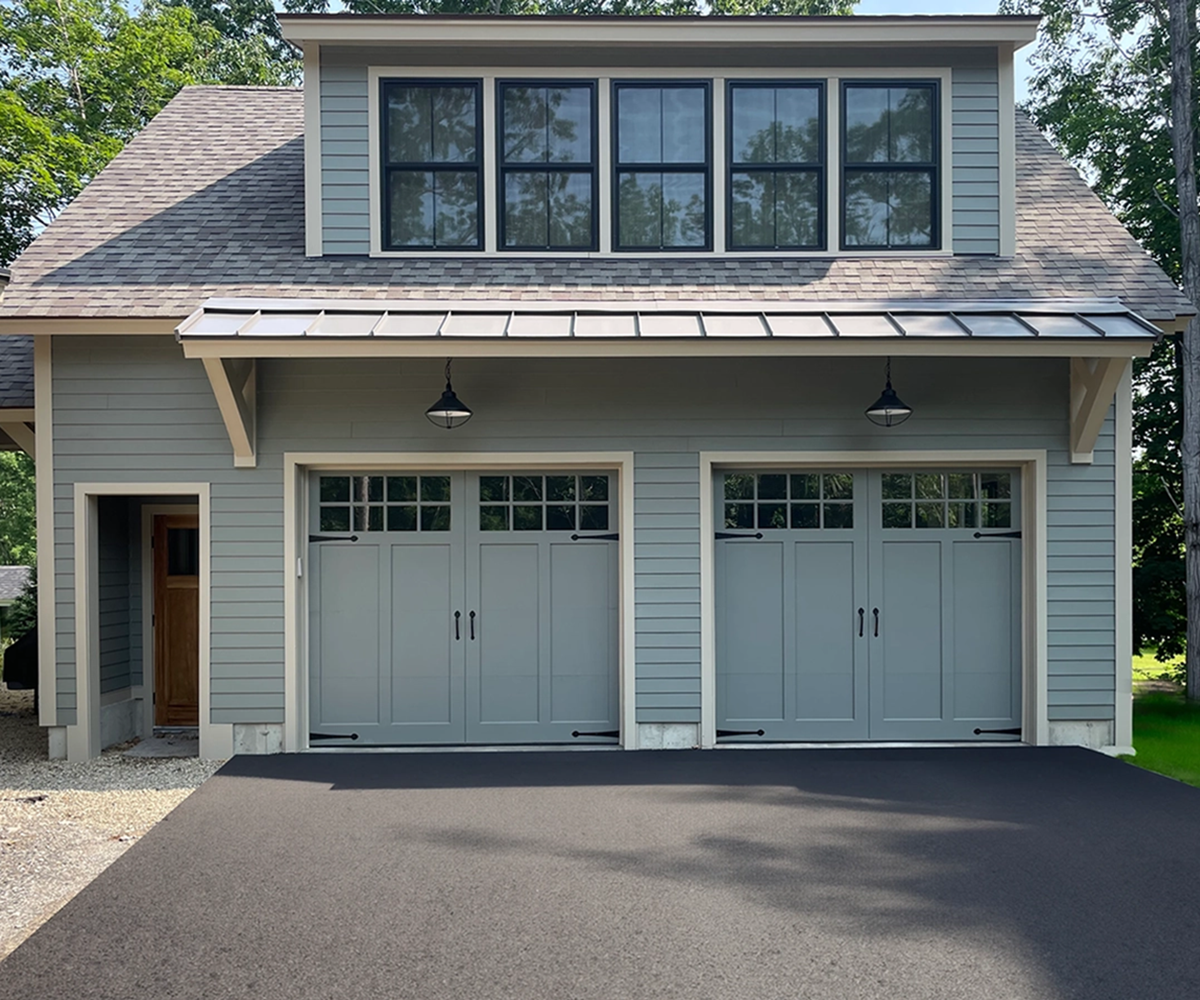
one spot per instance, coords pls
(751, 632)
(910, 630)
(425, 679)
(825, 631)
(583, 631)
(348, 660)
(984, 637)
(508, 666)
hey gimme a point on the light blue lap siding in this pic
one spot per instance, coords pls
(345, 160)
(975, 159)
(115, 422)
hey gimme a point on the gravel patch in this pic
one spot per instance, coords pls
(62, 824)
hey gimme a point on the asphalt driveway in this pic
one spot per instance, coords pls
(979, 873)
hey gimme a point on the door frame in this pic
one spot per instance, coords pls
(149, 648)
(1033, 465)
(296, 469)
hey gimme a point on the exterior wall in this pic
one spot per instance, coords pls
(973, 105)
(115, 603)
(132, 409)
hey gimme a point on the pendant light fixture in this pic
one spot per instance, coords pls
(888, 410)
(449, 411)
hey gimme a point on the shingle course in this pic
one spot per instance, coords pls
(16, 372)
(209, 201)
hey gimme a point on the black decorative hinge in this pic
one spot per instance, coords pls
(612, 537)
(333, 538)
(608, 734)
(998, 534)
(734, 534)
(332, 736)
(722, 733)
(999, 732)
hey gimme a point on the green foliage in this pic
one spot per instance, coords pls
(22, 616)
(18, 510)
(614, 8)
(1101, 90)
(79, 78)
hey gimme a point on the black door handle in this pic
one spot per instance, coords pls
(861, 612)
(472, 617)
(457, 616)
(875, 612)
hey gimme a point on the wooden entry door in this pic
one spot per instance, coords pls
(176, 620)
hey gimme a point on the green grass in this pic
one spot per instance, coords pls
(1147, 668)
(1166, 736)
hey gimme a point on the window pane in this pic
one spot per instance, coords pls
(639, 210)
(527, 488)
(593, 518)
(560, 518)
(839, 486)
(866, 110)
(453, 118)
(798, 125)
(997, 515)
(410, 131)
(526, 222)
(930, 486)
(889, 209)
(411, 208)
(493, 519)
(996, 485)
(335, 518)
(963, 515)
(910, 138)
(683, 210)
(772, 515)
(570, 124)
(739, 515)
(929, 515)
(402, 519)
(772, 487)
(402, 488)
(335, 488)
(560, 488)
(183, 552)
(753, 124)
(839, 515)
(739, 486)
(897, 515)
(493, 488)
(897, 485)
(639, 125)
(866, 213)
(806, 487)
(962, 485)
(527, 518)
(570, 200)
(456, 216)
(806, 515)
(593, 488)
(684, 132)
(373, 488)
(752, 223)
(525, 121)
(434, 488)
(797, 209)
(435, 518)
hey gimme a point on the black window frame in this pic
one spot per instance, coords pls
(387, 168)
(933, 167)
(503, 168)
(706, 169)
(821, 169)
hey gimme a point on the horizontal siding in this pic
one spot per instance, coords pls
(975, 159)
(345, 160)
(665, 412)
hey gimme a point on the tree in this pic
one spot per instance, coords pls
(1110, 82)
(18, 510)
(592, 7)
(79, 78)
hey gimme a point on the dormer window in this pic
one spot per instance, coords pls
(432, 147)
(890, 183)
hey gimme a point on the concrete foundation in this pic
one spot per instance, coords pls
(56, 742)
(120, 721)
(668, 735)
(258, 738)
(1095, 735)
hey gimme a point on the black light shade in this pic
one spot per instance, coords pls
(888, 410)
(449, 411)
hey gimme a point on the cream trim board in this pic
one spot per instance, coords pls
(103, 326)
(1032, 463)
(235, 386)
(603, 76)
(314, 236)
(21, 414)
(44, 493)
(22, 436)
(1008, 154)
(1094, 383)
(216, 740)
(1123, 736)
(297, 466)
(690, 347)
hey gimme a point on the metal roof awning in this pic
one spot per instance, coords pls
(887, 323)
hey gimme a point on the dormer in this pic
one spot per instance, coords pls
(643, 137)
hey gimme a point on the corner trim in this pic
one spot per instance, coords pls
(314, 235)
(1008, 153)
(44, 493)
(1123, 736)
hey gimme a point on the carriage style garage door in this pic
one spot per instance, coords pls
(462, 608)
(871, 605)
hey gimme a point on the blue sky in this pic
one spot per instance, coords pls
(949, 7)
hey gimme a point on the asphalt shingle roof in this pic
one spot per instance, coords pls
(16, 372)
(12, 581)
(209, 201)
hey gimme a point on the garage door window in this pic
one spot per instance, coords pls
(385, 503)
(778, 500)
(543, 503)
(947, 500)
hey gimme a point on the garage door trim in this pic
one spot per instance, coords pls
(296, 469)
(1033, 466)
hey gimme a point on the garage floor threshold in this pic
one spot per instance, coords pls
(592, 747)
